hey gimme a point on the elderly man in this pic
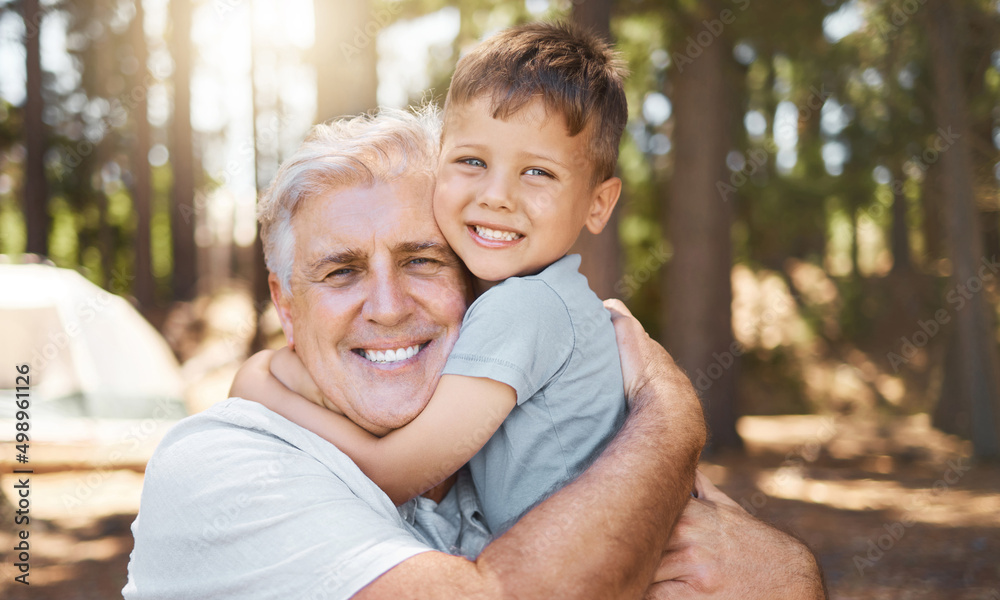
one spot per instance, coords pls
(239, 502)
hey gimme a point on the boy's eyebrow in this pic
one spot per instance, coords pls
(546, 157)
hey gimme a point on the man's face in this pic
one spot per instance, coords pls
(376, 302)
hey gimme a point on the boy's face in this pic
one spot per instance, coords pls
(512, 196)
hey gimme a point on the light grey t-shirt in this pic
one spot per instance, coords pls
(550, 338)
(239, 502)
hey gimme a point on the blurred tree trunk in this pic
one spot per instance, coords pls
(182, 222)
(932, 198)
(345, 59)
(104, 54)
(972, 368)
(900, 235)
(142, 190)
(36, 204)
(698, 285)
(601, 254)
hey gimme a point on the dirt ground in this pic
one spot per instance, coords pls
(895, 510)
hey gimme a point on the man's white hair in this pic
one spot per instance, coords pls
(354, 152)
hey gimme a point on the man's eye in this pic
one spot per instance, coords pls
(340, 272)
(541, 172)
(473, 162)
(424, 265)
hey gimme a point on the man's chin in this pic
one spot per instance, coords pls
(390, 401)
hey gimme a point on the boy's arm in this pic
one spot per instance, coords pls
(460, 417)
(287, 367)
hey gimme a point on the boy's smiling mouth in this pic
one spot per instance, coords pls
(494, 237)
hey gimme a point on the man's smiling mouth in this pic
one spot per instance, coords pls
(390, 356)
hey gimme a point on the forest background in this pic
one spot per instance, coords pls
(810, 220)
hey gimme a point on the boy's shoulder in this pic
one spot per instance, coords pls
(560, 287)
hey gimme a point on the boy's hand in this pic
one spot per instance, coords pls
(289, 370)
(249, 380)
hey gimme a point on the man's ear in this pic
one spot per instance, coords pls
(602, 202)
(282, 303)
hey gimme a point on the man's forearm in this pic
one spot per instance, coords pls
(602, 535)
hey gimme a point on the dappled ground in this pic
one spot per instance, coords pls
(893, 511)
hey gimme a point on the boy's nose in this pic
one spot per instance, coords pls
(496, 195)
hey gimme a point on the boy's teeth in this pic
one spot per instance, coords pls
(493, 234)
(389, 356)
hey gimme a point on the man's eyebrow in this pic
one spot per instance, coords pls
(417, 247)
(336, 258)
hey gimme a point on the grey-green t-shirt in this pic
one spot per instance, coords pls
(550, 338)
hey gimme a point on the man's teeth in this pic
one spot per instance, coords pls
(389, 356)
(493, 234)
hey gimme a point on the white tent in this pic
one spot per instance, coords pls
(91, 354)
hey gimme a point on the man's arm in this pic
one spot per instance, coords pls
(719, 551)
(602, 535)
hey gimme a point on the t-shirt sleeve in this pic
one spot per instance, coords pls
(234, 513)
(518, 333)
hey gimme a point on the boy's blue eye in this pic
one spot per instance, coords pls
(541, 172)
(474, 162)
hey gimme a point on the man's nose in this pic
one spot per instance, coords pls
(497, 193)
(388, 301)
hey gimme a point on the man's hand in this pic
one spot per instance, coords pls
(718, 551)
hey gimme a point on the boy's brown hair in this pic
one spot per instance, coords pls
(576, 74)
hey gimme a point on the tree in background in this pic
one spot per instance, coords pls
(698, 221)
(600, 254)
(182, 223)
(36, 200)
(972, 387)
(142, 186)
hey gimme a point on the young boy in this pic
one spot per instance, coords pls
(533, 389)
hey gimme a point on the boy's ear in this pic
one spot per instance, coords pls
(602, 202)
(281, 304)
